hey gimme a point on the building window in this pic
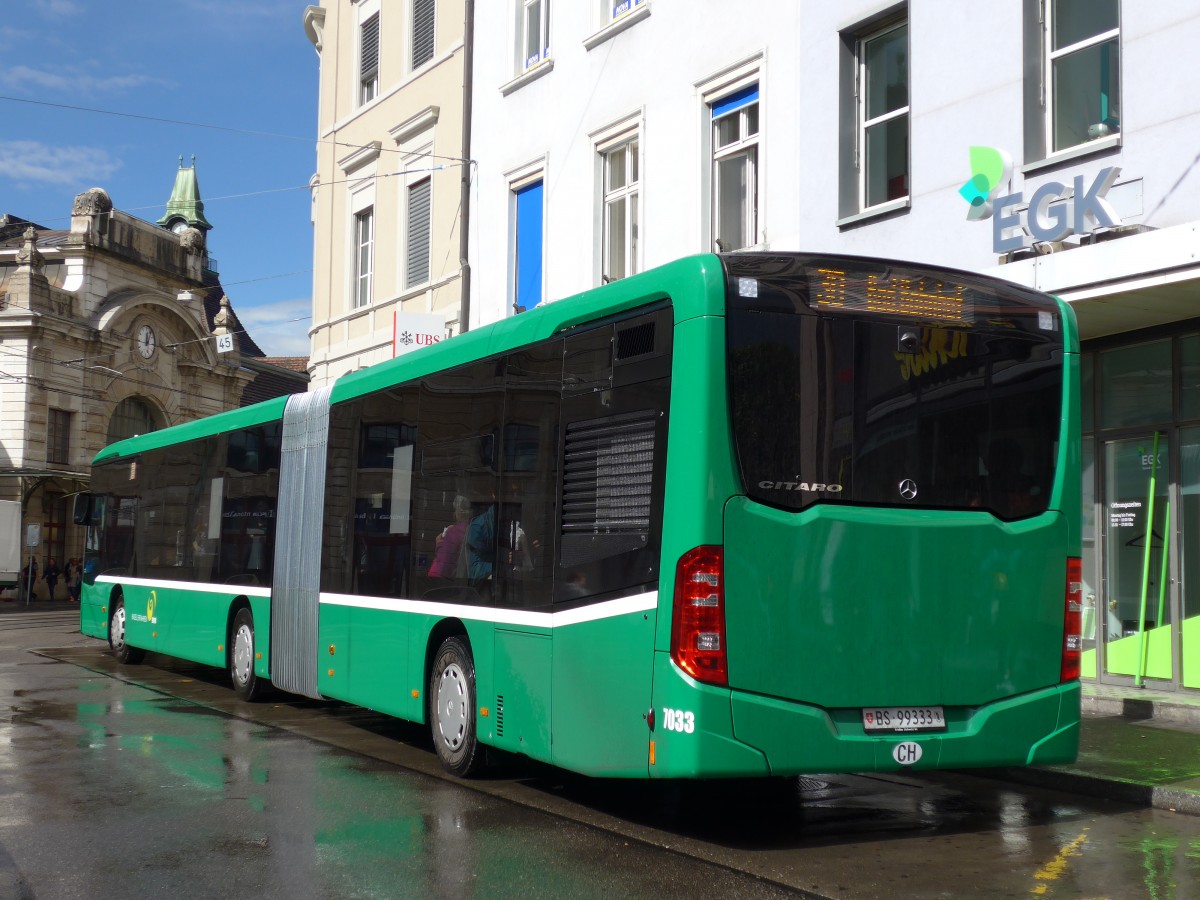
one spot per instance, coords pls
(882, 138)
(533, 39)
(368, 55)
(529, 237)
(1083, 60)
(58, 437)
(417, 230)
(620, 223)
(131, 418)
(364, 255)
(735, 170)
(618, 8)
(423, 15)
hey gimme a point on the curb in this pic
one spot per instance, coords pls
(1144, 795)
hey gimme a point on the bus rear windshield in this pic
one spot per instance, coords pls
(860, 382)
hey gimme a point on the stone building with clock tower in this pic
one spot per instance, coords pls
(110, 329)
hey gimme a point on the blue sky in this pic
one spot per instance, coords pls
(242, 67)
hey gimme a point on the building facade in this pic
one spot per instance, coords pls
(1042, 141)
(387, 194)
(112, 328)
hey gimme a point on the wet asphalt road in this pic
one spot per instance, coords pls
(156, 781)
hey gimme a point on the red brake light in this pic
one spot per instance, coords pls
(1073, 621)
(698, 625)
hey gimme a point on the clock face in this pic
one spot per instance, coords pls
(146, 341)
(179, 227)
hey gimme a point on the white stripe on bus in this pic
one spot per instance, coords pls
(591, 613)
(206, 587)
(607, 610)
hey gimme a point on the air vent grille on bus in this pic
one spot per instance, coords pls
(607, 482)
(637, 340)
(499, 715)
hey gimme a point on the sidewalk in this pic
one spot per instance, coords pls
(8, 604)
(1139, 746)
(1136, 745)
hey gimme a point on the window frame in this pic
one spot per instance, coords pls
(746, 146)
(368, 81)
(411, 233)
(58, 436)
(520, 182)
(427, 47)
(1052, 56)
(1038, 114)
(864, 124)
(629, 194)
(526, 57)
(357, 277)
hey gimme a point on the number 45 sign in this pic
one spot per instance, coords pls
(224, 343)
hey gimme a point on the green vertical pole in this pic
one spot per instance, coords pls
(1140, 670)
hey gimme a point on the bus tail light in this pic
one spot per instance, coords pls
(698, 625)
(1073, 621)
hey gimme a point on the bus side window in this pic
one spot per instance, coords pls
(614, 456)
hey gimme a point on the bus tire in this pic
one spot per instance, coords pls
(241, 657)
(124, 653)
(452, 709)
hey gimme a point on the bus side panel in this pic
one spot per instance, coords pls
(179, 622)
(519, 718)
(380, 642)
(333, 650)
(94, 608)
(191, 624)
(693, 730)
(602, 678)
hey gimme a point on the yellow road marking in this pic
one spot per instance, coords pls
(1054, 869)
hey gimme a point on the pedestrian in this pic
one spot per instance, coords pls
(29, 575)
(74, 579)
(51, 576)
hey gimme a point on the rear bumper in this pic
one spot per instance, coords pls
(737, 734)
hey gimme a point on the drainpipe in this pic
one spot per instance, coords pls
(464, 230)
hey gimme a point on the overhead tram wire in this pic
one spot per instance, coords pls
(227, 128)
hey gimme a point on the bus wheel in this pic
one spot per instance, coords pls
(116, 636)
(241, 657)
(452, 709)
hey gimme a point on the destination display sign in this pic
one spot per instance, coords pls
(891, 292)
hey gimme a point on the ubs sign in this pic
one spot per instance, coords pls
(1054, 211)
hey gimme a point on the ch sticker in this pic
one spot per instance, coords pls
(150, 605)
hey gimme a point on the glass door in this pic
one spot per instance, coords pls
(1138, 568)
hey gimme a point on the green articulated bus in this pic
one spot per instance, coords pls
(741, 515)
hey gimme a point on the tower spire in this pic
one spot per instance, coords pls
(185, 208)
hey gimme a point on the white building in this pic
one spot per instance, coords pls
(614, 135)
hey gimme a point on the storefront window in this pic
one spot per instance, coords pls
(1086, 396)
(1135, 385)
(1189, 528)
(1189, 377)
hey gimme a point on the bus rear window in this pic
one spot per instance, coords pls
(876, 405)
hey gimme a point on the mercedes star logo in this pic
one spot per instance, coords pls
(908, 489)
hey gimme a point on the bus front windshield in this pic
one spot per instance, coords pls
(945, 392)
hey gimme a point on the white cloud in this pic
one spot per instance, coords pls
(73, 80)
(33, 161)
(58, 8)
(279, 328)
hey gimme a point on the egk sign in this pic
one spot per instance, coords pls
(1055, 210)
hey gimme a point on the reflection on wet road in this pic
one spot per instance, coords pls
(165, 784)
